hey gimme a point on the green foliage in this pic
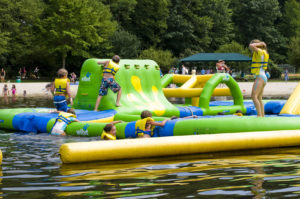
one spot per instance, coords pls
(291, 19)
(73, 27)
(274, 70)
(150, 21)
(294, 52)
(256, 19)
(164, 58)
(235, 47)
(125, 44)
(122, 10)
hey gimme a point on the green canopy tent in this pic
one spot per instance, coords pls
(214, 57)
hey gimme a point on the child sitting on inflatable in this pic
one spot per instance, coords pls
(61, 90)
(62, 121)
(109, 131)
(110, 68)
(144, 127)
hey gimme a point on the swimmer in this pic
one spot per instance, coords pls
(144, 127)
(259, 64)
(110, 68)
(61, 90)
(110, 131)
(62, 121)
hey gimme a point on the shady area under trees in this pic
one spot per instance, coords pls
(210, 60)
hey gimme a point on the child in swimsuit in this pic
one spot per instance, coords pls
(61, 90)
(5, 90)
(144, 127)
(110, 68)
(109, 131)
(62, 121)
(13, 90)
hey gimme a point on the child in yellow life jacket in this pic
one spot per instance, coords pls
(61, 90)
(110, 68)
(144, 127)
(109, 131)
(259, 66)
(62, 121)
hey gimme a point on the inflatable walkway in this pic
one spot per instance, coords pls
(292, 106)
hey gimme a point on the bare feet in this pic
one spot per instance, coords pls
(117, 105)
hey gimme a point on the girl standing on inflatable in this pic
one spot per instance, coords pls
(259, 64)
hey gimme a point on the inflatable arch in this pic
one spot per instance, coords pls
(208, 89)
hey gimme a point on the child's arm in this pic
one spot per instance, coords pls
(69, 93)
(52, 88)
(159, 123)
(105, 63)
(255, 46)
(117, 121)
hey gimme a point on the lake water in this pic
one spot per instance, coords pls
(32, 169)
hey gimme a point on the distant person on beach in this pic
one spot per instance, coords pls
(62, 121)
(73, 77)
(13, 90)
(222, 67)
(202, 71)
(36, 72)
(184, 70)
(5, 90)
(2, 75)
(144, 127)
(110, 68)
(61, 90)
(259, 64)
(24, 93)
(110, 131)
(24, 72)
(286, 74)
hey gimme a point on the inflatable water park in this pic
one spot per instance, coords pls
(202, 124)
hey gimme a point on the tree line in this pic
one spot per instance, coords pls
(63, 33)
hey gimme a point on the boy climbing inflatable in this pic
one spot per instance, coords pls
(110, 68)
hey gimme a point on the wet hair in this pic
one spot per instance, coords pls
(258, 41)
(145, 114)
(116, 58)
(107, 128)
(174, 118)
(62, 73)
(71, 111)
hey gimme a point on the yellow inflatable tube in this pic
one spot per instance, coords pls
(177, 145)
(194, 92)
(292, 106)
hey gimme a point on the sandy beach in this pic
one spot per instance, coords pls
(272, 89)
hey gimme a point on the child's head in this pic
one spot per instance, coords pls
(62, 73)
(239, 111)
(146, 114)
(116, 59)
(110, 128)
(72, 111)
(5, 85)
(174, 118)
(13, 86)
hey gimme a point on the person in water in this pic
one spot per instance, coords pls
(144, 127)
(110, 131)
(2, 75)
(110, 68)
(259, 65)
(62, 121)
(13, 90)
(61, 90)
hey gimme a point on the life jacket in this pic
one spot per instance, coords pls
(112, 68)
(107, 136)
(61, 85)
(63, 117)
(260, 59)
(140, 127)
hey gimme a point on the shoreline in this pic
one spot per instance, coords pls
(281, 90)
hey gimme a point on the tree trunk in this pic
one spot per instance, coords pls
(64, 56)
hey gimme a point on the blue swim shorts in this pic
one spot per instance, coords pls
(108, 83)
(60, 103)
